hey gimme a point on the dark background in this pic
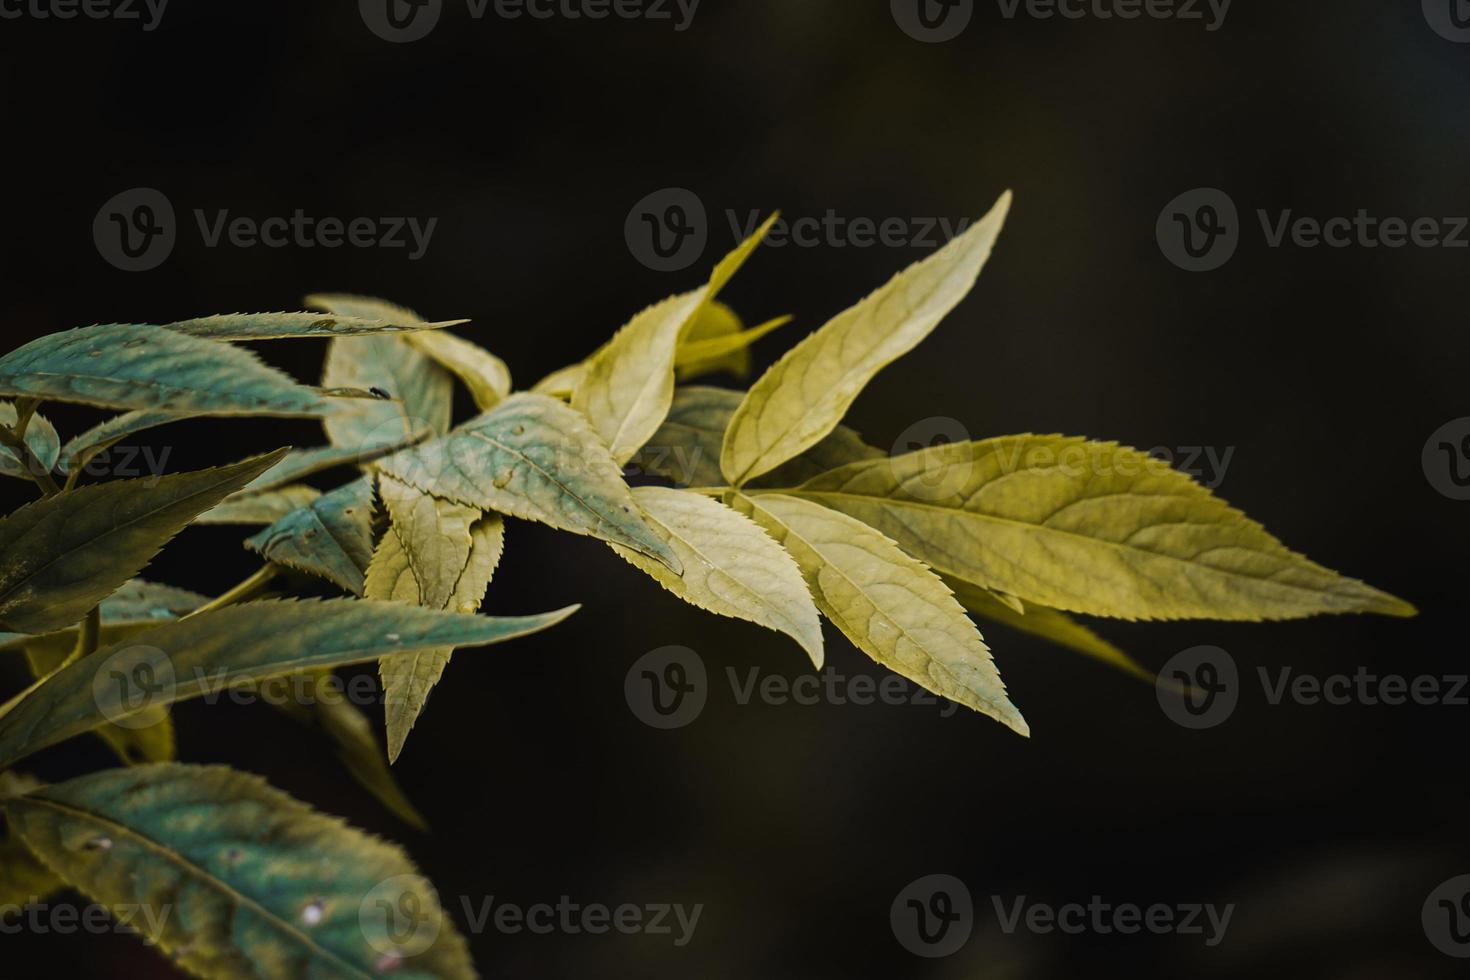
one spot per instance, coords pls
(1326, 369)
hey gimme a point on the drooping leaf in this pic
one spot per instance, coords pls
(629, 384)
(41, 437)
(331, 537)
(149, 737)
(561, 382)
(686, 448)
(237, 880)
(62, 555)
(535, 458)
(805, 394)
(301, 463)
(260, 508)
(23, 878)
(890, 606)
(137, 605)
(484, 374)
(283, 326)
(349, 730)
(408, 679)
(132, 366)
(718, 341)
(211, 651)
(1047, 624)
(1088, 527)
(731, 566)
(79, 451)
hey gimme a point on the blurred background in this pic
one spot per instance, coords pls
(1322, 370)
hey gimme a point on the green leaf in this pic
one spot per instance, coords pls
(629, 384)
(718, 342)
(686, 448)
(440, 555)
(138, 604)
(41, 437)
(806, 393)
(260, 508)
(234, 879)
(1087, 527)
(132, 366)
(484, 374)
(62, 555)
(23, 878)
(283, 326)
(890, 606)
(535, 458)
(301, 463)
(78, 452)
(731, 567)
(211, 651)
(349, 730)
(1047, 624)
(331, 537)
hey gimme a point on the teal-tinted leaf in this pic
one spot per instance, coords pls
(131, 366)
(236, 880)
(301, 463)
(331, 537)
(82, 449)
(260, 508)
(41, 437)
(535, 458)
(137, 604)
(282, 326)
(63, 555)
(211, 651)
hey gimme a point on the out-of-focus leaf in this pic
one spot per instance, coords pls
(132, 366)
(795, 404)
(149, 737)
(561, 382)
(331, 537)
(484, 374)
(718, 342)
(41, 437)
(535, 458)
(731, 566)
(236, 880)
(283, 326)
(211, 651)
(82, 449)
(23, 878)
(62, 555)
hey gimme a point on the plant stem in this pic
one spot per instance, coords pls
(89, 635)
(239, 593)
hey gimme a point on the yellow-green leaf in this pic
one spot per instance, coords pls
(41, 437)
(805, 394)
(1088, 527)
(718, 341)
(260, 508)
(1047, 624)
(561, 382)
(731, 566)
(23, 878)
(535, 458)
(236, 880)
(890, 606)
(284, 326)
(435, 535)
(484, 374)
(301, 463)
(629, 384)
(135, 366)
(62, 555)
(211, 651)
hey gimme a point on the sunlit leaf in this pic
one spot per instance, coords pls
(332, 536)
(1088, 527)
(731, 566)
(535, 458)
(890, 606)
(561, 382)
(796, 403)
(236, 880)
(62, 555)
(132, 366)
(208, 652)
